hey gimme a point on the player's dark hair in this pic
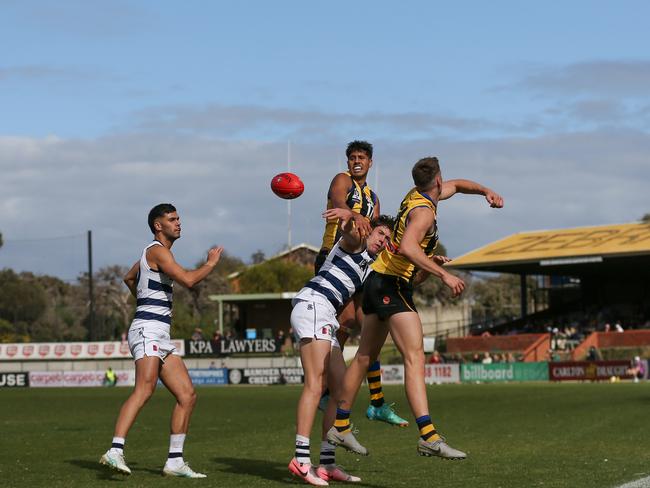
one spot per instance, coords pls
(364, 146)
(386, 220)
(425, 171)
(158, 211)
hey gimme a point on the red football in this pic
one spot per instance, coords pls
(287, 186)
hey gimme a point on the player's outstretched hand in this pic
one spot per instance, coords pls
(338, 213)
(455, 284)
(494, 199)
(214, 255)
(440, 260)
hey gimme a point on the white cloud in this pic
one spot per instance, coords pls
(53, 187)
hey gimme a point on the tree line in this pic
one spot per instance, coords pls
(41, 308)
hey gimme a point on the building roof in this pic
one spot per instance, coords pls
(282, 254)
(563, 251)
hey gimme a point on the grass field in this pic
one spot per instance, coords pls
(516, 435)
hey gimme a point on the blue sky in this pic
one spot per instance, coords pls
(111, 107)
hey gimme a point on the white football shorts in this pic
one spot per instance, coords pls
(150, 341)
(311, 320)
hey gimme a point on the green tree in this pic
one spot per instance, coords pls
(275, 276)
(22, 298)
(498, 297)
(193, 308)
(63, 317)
(432, 289)
(645, 218)
(1, 242)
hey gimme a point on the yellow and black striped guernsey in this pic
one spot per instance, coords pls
(360, 198)
(389, 262)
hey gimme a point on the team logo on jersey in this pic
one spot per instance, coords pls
(310, 306)
(386, 300)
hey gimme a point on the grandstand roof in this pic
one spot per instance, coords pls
(564, 251)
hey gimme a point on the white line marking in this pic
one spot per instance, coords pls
(642, 483)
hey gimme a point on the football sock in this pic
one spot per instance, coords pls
(302, 449)
(327, 457)
(118, 444)
(427, 430)
(175, 458)
(342, 422)
(374, 384)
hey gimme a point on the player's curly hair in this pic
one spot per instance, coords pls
(364, 146)
(386, 220)
(159, 211)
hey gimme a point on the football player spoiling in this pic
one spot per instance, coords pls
(314, 322)
(350, 191)
(150, 280)
(388, 304)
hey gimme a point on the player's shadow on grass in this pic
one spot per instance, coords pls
(105, 473)
(269, 470)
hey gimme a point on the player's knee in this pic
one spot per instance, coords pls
(187, 398)
(315, 384)
(414, 357)
(363, 360)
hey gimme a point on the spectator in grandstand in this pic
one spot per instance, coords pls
(487, 359)
(476, 358)
(510, 358)
(618, 327)
(435, 358)
(608, 327)
(636, 369)
(216, 336)
(457, 358)
(593, 354)
(197, 335)
(110, 378)
(280, 338)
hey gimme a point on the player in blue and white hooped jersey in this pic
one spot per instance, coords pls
(151, 280)
(314, 323)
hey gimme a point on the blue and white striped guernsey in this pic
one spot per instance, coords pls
(341, 275)
(154, 296)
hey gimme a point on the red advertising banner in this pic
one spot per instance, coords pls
(71, 350)
(588, 370)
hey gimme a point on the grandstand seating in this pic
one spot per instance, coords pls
(532, 347)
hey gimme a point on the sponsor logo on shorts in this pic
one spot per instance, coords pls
(155, 347)
(386, 300)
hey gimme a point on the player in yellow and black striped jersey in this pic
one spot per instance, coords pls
(350, 190)
(388, 303)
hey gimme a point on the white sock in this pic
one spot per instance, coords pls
(175, 458)
(118, 444)
(302, 449)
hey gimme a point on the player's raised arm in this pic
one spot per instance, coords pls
(164, 260)
(349, 232)
(420, 221)
(131, 279)
(338, 196)
(451, 187)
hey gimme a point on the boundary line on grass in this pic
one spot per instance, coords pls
(641, 483)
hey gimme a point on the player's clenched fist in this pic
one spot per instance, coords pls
(455, 284)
